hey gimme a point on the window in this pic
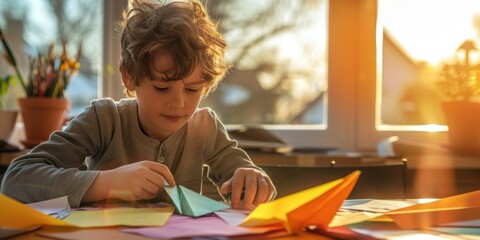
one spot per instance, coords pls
(278, 50)
(335, 87)
(419, 38)
(33, 25)
(376, 78)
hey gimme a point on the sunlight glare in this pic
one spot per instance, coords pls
(416, 236)
(434, 128)
(414, 128)
(433, 29)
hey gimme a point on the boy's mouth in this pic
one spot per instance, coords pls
(173, 118)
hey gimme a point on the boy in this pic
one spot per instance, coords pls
(172, 57)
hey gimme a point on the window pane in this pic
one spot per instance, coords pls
(419, 38)
(278, 50)
(33, 25)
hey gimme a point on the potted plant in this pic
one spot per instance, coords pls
(44, 106)
(460, 83)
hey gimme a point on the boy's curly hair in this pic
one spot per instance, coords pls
(182, 28)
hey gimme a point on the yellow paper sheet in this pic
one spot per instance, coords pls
(314, 206)
(16, 214)
(134, 217)
(90, 234)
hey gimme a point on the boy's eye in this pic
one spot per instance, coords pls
(193, 89)
(160, 88)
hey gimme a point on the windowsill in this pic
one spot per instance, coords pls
(432, 156)
(442, 161)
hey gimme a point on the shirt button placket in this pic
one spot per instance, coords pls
(160, 157)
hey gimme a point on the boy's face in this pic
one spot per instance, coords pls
(165, 106)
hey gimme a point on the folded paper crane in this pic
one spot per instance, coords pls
(190, 203)
(313, 206)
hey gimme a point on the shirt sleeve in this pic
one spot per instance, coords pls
(52, 169)
(223, 156)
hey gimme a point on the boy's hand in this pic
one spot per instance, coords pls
(136, 181)
(248, 188)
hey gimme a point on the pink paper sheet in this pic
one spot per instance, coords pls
(182, 227)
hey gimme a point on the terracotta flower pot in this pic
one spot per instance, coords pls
(42, 116)
(463, 120)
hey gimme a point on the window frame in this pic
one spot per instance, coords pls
(352, 80)
(355, 38)
(110, 84)
(342, 83)
(370, 50)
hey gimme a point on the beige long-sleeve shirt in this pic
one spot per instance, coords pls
(107, 135)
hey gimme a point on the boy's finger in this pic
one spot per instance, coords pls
(164, 171)
(262, 192)
(226, 187)
(237, 188)
(250, 190)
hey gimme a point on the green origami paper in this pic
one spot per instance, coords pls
(190, 203)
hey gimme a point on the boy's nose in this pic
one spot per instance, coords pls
(176, 100)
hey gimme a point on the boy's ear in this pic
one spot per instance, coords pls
(127, 79)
